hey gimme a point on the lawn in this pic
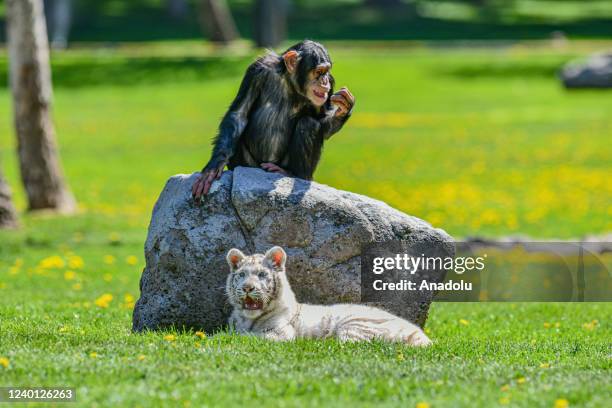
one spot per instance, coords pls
(476, 141)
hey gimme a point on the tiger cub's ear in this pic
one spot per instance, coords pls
(276, 256)
(234, 257)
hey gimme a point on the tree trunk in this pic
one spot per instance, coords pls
(61, 19)
(178, 9)
(270, 22)
(30, 77)
(384, 3)
(8, 216)
(217, 22)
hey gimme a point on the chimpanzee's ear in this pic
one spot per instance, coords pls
(276, 256)
(291, 58)
(234, 257)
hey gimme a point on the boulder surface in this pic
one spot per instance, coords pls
(596, 72)
(322, 229)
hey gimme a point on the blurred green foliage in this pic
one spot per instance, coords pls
(146, 20)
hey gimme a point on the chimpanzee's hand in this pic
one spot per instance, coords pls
(343, 100)
(273, 168)
(205, 180)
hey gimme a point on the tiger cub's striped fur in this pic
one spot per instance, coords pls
(265, 305)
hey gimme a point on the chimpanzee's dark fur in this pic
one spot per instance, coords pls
(271, 120)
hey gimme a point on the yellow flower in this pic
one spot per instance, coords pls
(141, 357)
(200, 334)
(109, 259)
(114, 237)
(169, 337)
(545, 365)
(77, 286)
(131, 260)
(13, 270)
(93, 354)
(104, 300)
(504, 400)
(592, 325)
(69, 275)
(129, 301)
(107, 277)
(561, 403)
(557, 325)
(197, 344)
(464, 322)
(52, 262)
(399, 356)
(521, 380)
(547, 325)
(75, 262)
(4, 362)
(422, 405)
(63, 329)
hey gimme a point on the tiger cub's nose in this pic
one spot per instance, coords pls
(247, 287)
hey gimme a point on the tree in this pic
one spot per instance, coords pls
(270, 22)
(60, 20)
(8, 216)
(384, 3)
(30, 77)
(217, 21)
(178, 9)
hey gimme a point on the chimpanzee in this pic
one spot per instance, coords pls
(284, 111)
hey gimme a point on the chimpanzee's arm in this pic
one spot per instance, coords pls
(310, 133)
(231, 127)
(332, 124)
(338, 111)
(235, 120)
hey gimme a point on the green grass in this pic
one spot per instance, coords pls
(478, 141)
(50, 341)
(474, 141)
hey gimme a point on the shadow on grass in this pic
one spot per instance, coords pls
(504, 70)
(138, 70)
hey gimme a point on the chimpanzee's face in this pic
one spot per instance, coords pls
(308, 65)
(318, 84)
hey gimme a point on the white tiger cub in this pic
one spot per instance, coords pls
(265, 305)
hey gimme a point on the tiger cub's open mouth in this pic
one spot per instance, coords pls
(251, 304)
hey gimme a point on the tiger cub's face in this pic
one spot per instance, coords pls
(253, 280)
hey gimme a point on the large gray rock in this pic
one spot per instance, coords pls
(596, 72)
(321, 228)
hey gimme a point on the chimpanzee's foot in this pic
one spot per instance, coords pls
(273, 168)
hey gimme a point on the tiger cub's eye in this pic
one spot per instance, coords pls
(261, 275)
